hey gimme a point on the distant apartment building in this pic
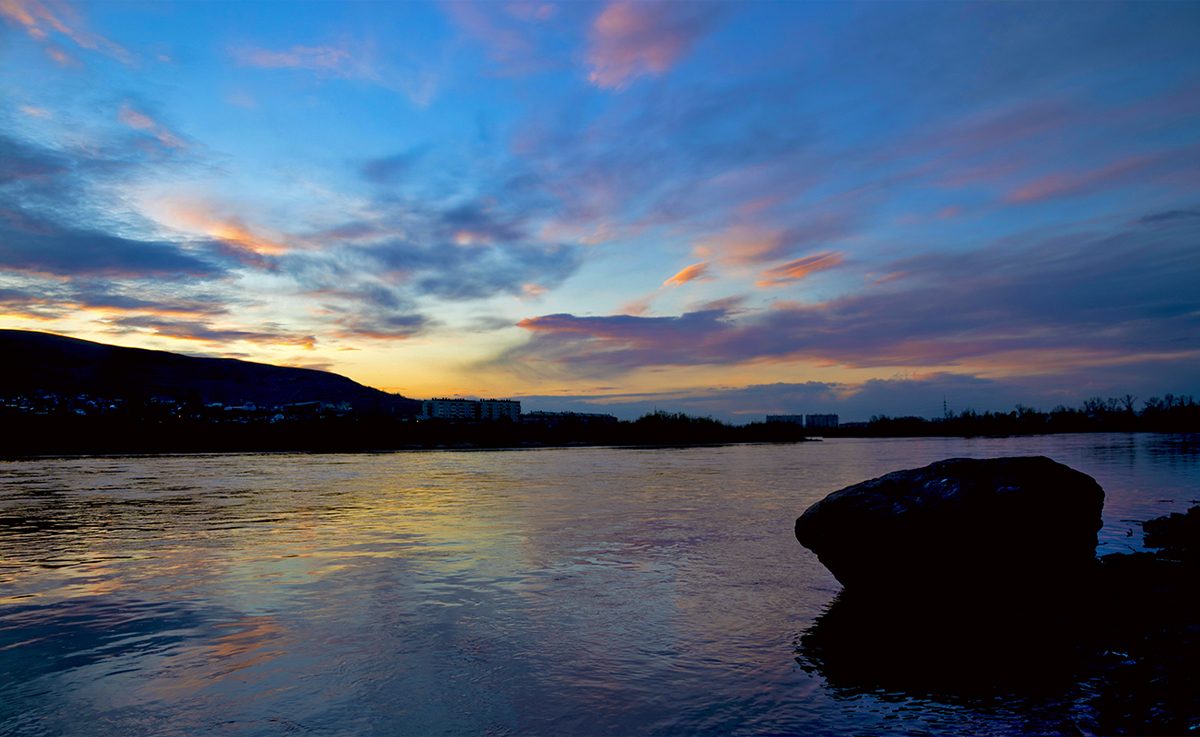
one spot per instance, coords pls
(550, 419)
(820, 421)
(500, 409)
(471, 409)
(794, 419)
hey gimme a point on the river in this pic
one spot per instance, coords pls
(557, 591)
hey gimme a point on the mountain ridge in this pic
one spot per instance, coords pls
(37, 361)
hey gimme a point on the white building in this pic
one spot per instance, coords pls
(500, 409)
(471, 409)
(820, 421)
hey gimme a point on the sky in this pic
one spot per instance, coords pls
(726, 209)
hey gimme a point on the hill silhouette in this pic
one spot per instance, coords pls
(46, 362)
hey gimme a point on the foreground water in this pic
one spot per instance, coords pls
(577, 591)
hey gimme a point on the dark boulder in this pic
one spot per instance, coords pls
(959, 525)
(1177, 534)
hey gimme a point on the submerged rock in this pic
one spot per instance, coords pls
(959, 525)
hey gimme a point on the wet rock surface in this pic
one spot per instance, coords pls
(1114, 647)
(959, 523)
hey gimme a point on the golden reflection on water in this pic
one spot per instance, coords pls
(583, 590)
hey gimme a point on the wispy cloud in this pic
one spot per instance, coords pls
(638, 307)
(43, 230)
(1089, 299)
(208, 332)
(142, 122)
(58, 251)
(630, 39)
(29, 305)
(390, 169)
(43, 24)
(1118, 174)
(104, 299)
(800, 268)
(531, 10)
(695, 272)
(747, 245)
(324, 58)
(380, 326)
(143, 298)
(349, 60)
(230, 229)
(515, 35)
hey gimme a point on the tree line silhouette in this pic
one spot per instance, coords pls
(1169, 413)
(143, 427)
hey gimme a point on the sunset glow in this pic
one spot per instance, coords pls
(714, 208)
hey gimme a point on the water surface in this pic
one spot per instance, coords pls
(583, 591)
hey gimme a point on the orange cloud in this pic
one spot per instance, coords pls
(142, 122)
(630, 39)
(230, 229)
(39, 22)
(889, 277)
(692, 273)
(799, 269)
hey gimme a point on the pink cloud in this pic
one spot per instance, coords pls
(1071, 184)
(325, 58)
(35, 112)
(531, 11)
(1013, 312)
(350, 61)
(800, 268)
(638, 307)
(632, 39)
(744, 245)
(506, 31)
(533, 291)
(695, 272)
(142, 122)
(944, 214)
(40, 22)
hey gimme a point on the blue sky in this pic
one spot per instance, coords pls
(725, 208)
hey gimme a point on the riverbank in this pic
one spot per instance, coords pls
(61, 435)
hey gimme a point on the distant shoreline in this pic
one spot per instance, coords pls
(64, 435)
(165, 448)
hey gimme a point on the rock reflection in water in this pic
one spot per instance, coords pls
(960, 650)
(1111, 654)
